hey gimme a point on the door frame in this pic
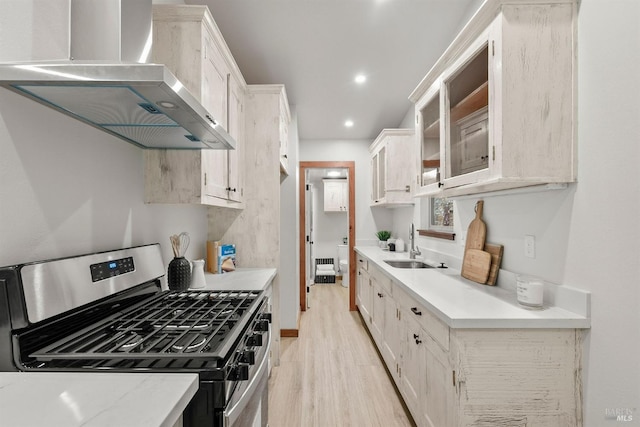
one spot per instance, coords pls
(351, 171)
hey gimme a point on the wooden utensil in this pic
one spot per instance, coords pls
(476, 265)
(477, 231)
(496, 252)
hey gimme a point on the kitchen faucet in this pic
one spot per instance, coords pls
(414, 249)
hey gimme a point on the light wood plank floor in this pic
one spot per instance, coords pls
(331, 375)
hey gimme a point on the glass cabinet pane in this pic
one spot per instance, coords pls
(468, 137)
(430, 164)
(382, 169)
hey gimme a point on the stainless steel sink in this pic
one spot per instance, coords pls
(407, 263)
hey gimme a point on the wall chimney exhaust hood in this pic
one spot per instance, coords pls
(105, 80)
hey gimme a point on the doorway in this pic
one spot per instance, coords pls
(350, 166)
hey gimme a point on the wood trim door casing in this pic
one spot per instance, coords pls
(351, 167)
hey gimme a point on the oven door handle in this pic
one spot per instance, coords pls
(232, 414)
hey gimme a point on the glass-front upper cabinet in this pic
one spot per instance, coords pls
(466, 100)
(430, 146)
(505, 92)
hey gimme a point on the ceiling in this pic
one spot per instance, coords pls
(317, 47)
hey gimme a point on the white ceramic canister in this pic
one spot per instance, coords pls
(197, 274)
(399, 245)
(530, 291)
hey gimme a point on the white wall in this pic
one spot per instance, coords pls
(368, 220)
(587, 235)
(67, 188)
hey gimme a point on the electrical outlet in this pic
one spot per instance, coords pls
(529, 246)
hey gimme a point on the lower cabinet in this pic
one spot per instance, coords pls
(364, 293)
(471, 377)
(427, 377)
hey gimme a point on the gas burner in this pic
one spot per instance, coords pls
(196, 344)
(128, 342)
(198, 327)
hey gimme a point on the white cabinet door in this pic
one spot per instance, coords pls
(378, 298)
(392, 327)
(364, 295)
(413, 368)
(438, 386)
(236, 130)
(392, 167)
(336, 195)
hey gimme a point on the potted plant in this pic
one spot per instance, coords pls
(383, 236)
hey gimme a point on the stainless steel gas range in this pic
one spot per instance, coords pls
(106, 312)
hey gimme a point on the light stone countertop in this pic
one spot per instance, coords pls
(69, 399)
(462, 303)
(243, 279)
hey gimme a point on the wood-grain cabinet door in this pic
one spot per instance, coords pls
(392, 336)
(379, 295)
(413, 368)
(214, 99)
(364, 295)
(235, 116)
(332, 195)
(438, 386)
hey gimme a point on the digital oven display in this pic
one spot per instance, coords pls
(104, 270)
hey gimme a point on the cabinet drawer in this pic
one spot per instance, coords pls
(437, 329)
(363, 262)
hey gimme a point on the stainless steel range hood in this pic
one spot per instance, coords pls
(141, 103)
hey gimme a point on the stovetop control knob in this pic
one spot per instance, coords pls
(240, 372)
(266, 316)
(261, 325)
(248, 356)
(254, 340)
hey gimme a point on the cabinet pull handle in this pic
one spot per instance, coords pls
(416, 336)
(440, 184)
(379, 295)
(418, 342)
(416, 311)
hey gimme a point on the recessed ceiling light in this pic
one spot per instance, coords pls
(349, 123)
(333, 174)
(361, 78)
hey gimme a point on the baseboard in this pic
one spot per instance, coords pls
(289, 333)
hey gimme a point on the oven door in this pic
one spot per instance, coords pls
(248, 406)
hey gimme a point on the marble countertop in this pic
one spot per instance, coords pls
(69, 399)
(462, 303)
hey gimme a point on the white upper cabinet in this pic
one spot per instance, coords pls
(187, 40)
(336, 195)
(497, 110)
(392, 169)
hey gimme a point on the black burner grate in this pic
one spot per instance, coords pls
(198, 326)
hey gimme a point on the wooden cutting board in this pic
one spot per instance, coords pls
(477, 231)
(476, 265)
(496, 252)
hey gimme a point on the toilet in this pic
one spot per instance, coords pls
(343, 264)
